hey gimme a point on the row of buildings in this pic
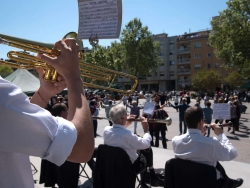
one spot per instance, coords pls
(182, 56)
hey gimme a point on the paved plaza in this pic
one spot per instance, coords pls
(240, 167)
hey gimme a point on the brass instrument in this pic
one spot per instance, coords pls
(167, 121)
(94, 74)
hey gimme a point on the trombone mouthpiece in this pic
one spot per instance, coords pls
(2, 41)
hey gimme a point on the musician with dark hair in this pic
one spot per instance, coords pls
(207, 150)
(160, 127)
(67, 175)
(29, 130)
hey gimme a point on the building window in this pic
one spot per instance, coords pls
(171, 62)
(216, 65)
(209, 54)
(161, 73)
(198, 66)
(171, 53)
(155, 73)
(197, 45)
(161, 63)
(197, 56)
(149, 75)
(171, 73)
(208, 66)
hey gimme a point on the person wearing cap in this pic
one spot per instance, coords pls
(107, 109)
(135, 110)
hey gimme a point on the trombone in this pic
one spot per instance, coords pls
(95, 75)
(167, 121)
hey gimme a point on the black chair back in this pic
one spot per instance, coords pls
(181, 173)
(113, 168)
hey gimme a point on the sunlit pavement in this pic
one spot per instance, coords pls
(240, 167)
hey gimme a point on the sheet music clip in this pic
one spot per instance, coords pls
(93, 40)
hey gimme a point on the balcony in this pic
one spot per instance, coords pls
(183, 51)
(183, 61)
(183, 71)
(186, 82)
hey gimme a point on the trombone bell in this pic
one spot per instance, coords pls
(94, 76)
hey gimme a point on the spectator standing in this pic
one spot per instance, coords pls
(135, 110)
(148, 97)
(208, 112)
(95, 112)
(206, 98)
(182, 108)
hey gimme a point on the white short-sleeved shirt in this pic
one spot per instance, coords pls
(118, 136)
(207, 150)
(28, 130)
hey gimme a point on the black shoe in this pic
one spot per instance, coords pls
(229, 128)
(235, 183)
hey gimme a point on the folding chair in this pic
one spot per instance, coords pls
(86, 174)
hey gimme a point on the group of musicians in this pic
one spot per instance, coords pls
(27, 129)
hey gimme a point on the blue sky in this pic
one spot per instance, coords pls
(49, 20)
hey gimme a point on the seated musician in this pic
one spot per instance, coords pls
(119, 136)
(207, 150)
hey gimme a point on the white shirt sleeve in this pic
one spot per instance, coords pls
(224, 150)
(30, 130)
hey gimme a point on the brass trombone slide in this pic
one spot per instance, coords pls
(167, 121)
(94, 76)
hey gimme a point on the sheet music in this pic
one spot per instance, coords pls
(101, 18)
(149, 108)
(221, 111)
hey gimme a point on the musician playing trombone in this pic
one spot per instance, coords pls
(207, 150)
(27, 129)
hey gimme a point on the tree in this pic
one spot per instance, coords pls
(206, 80)
(141, 52)
(234, 79)
(5, 71)
(230, 35)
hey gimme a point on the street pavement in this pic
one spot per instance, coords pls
(239, 167)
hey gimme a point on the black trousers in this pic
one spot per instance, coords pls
(95, 127)
(160, 129)
(144, 160)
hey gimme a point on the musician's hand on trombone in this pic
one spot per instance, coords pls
(67, 63)
(49, 89)
(217, 129)
(144, 123)
(130, 119)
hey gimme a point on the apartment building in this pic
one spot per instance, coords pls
(182, 56)
(161, 78)
(194, 53)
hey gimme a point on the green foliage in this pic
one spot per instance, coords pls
(140, 49)
(234, 79)
(5, 71)
(206, 80)
(136, 54)
(193, 95)
(230, 35)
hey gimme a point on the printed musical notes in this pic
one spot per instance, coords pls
(99, 18)
(221, 111)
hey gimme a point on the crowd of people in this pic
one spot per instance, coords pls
(64, 133)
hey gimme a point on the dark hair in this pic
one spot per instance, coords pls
(92, 103)
(58, 108)
(208, 103)
(157, 106)
(192, 116)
